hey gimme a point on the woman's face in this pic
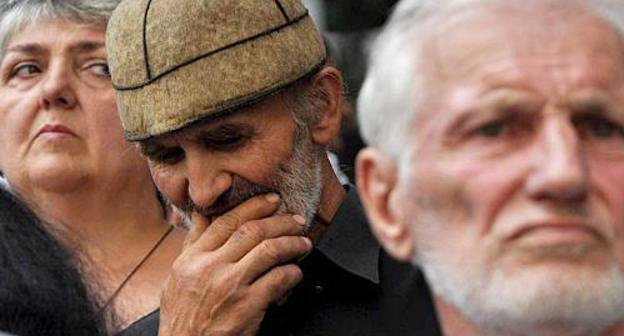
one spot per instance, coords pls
(59, 128)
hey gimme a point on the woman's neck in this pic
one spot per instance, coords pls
(102, 220)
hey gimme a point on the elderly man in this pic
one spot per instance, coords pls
(496, 161)
(232, 102)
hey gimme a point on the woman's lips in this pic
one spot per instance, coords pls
(56, 131)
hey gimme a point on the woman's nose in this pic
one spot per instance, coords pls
(57, 88)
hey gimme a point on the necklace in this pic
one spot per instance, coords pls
(135, 269)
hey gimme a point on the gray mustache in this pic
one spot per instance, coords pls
(240, 191)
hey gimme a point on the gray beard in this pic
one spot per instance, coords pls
(528, 302)
(298, 181)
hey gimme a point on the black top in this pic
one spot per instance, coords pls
(350, 287)
(145, 326)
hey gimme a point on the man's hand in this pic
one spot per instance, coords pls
(232, 269)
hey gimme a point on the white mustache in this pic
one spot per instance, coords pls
(512, 226)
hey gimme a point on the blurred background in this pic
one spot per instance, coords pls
(349, 27)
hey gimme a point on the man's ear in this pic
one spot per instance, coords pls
(327, 84)
(376, 176)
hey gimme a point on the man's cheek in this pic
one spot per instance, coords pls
(607, 181)
(445, 194)
(172, 186)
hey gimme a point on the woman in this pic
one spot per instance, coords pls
(62, 150)
(41, 290)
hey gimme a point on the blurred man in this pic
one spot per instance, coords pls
(496, 161)
(233, 104)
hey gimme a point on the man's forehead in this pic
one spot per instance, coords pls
(499, 40)
(190, 132)
(257, 115)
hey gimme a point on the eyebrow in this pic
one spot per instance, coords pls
(497, 104)
(149, 147)
(596, 103)
(84, 47)
(28, 48)
(81, 47)
(224, 129)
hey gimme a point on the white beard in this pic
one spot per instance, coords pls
(536, 300)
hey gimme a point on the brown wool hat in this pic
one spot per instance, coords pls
(174, 62)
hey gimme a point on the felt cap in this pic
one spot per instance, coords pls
(175, 62)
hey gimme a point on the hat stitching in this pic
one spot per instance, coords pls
(281, 8)
(227, 107)
(148, 70)
(210, 53)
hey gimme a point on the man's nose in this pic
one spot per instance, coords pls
(57, 87)
(206, 179)
(560, 169)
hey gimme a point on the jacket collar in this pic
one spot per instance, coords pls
(349, 242)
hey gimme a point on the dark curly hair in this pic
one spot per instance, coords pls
(41, 287)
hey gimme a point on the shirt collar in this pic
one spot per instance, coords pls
(348, 241)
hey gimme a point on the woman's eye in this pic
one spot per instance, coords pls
(100, 69)
(25, 70)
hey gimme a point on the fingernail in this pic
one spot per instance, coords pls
(307, 241)
(299, 219)
(272, 197)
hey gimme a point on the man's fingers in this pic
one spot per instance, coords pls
(199, 224)
(275, 284)
(252, 233)
(223, 226)
(272, 253)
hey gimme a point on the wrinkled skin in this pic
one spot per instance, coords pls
(510, 195)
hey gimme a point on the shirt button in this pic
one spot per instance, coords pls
(318, 289)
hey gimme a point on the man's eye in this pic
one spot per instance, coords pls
(595, 127)
(25, 70)
(225, 142)
(603, 129)
(492, 129)
(168, 156)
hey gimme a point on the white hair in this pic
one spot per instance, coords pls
(396, 86)
(17, 14)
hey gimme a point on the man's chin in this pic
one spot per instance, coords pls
(591, 255)
(506, 294)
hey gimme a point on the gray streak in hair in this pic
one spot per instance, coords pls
(17, 14)
(305, 103)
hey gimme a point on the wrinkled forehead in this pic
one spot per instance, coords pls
(507, 38)
(19, 26)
